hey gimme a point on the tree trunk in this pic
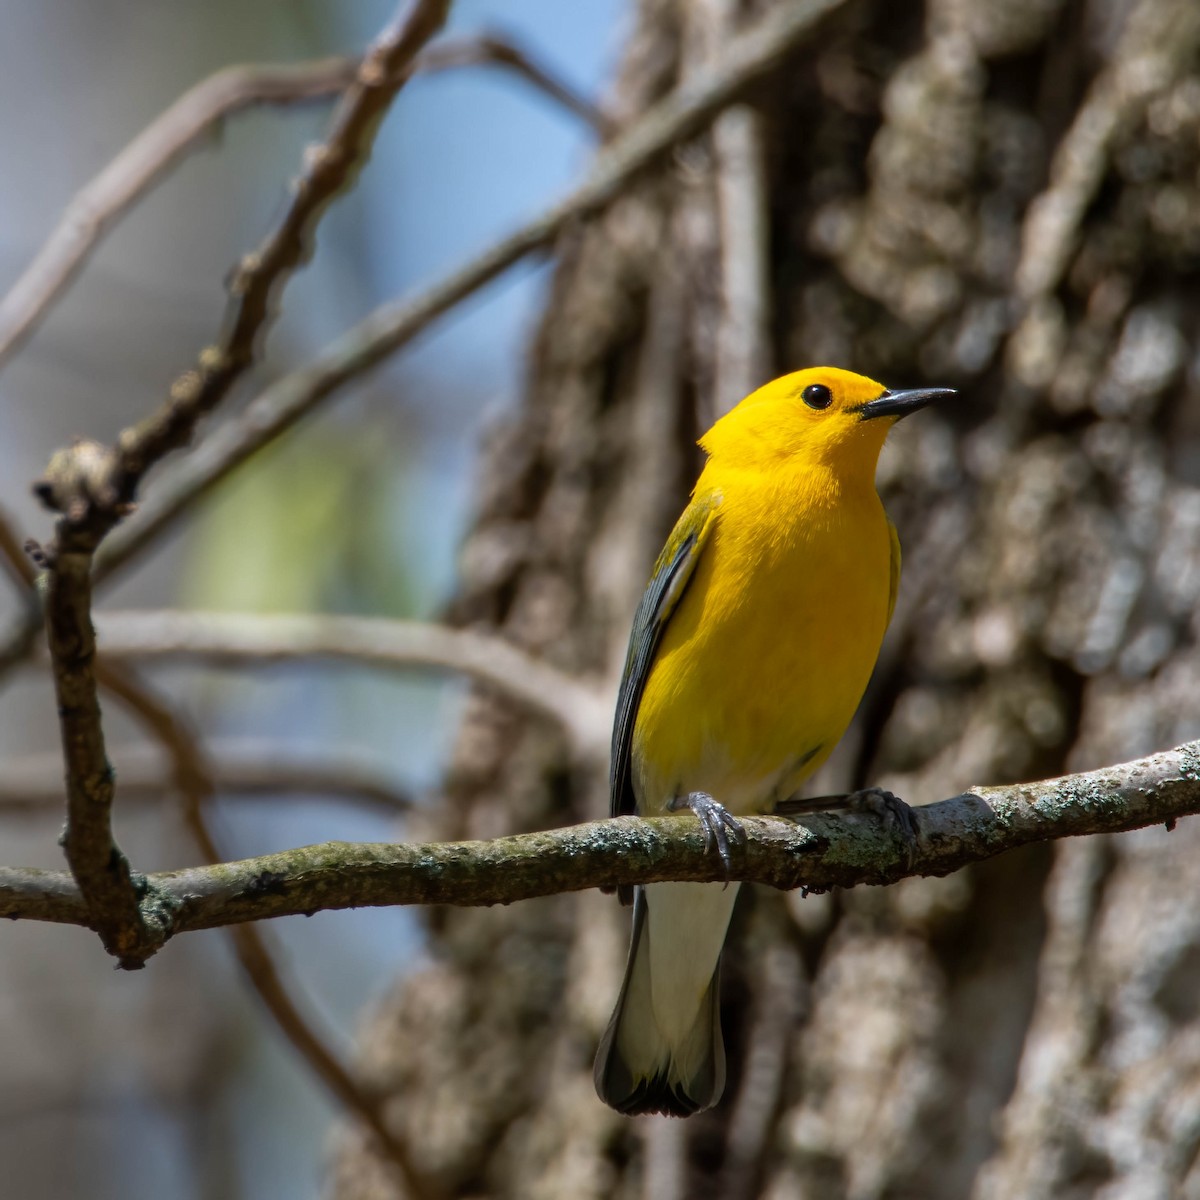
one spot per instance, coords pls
(997, 197)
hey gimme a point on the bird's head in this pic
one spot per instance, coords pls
(823, 415)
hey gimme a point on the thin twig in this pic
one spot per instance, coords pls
(141, 164)
(194, 780)
(94, 486)
(235, 639)
(490, 49)
(32, 785)
(819, 851)
(187, 124)
(677, 117)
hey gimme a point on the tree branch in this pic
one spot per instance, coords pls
(817, 852)
(491, 49)
(106, 883)
(32, 785)
(94, 486)
(236, 639)
(143, 163)
(677, 117)
(191, 119)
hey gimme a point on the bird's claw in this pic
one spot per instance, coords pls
(718, 823)
(893, 813)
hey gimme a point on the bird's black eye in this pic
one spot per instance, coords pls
(817, 395)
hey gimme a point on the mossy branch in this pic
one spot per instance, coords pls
(817, 852)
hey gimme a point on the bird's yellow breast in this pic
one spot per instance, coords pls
(768, 654)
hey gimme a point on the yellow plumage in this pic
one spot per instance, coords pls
(749, 656)
(766, 657)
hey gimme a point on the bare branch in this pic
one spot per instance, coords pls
(194, 781)
(236, 639)
(94, 486)
(677, 117)
(490, 49)
(141, 164)
(817, 852)
(32, 785)
(29, 893)
(184, 126)
(106, 883)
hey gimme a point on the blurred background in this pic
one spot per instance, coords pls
(172, 1082)
(1000, 198)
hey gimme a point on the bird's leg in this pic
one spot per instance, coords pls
(718, 824)
(894, 814)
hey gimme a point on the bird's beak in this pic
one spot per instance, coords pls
(900, 404)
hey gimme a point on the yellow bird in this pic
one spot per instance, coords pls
(750, 651)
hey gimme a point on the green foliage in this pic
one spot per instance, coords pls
(310, 524)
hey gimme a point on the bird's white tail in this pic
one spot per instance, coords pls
(662, 1051)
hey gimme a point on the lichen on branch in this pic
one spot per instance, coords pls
(817, 852)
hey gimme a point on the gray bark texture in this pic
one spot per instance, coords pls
(997, 197)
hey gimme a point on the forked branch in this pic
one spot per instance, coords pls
(188, 122)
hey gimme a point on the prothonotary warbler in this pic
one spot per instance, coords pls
(750, 651)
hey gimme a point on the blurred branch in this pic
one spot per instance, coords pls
(489, 49)
(32, 785)
(18, 642)
(191, 119)
(680, 115)
(142, 164)
(94, 486)
(225, 639)
(818, 852)
(194, 781)
(16, 561)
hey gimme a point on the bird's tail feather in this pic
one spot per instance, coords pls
(637, 1069)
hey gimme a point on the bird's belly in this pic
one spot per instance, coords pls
(750, 693)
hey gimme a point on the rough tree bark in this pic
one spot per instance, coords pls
(1000, 197)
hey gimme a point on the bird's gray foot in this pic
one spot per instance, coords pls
(892, 812)
(718, 824)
